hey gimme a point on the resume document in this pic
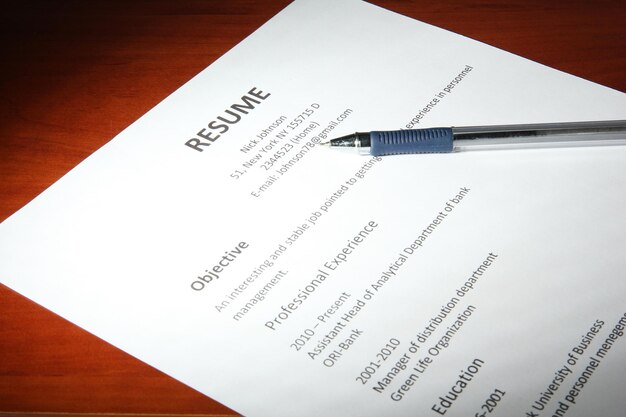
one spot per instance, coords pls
(215, 239)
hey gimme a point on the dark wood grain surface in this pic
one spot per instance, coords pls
(75, 73)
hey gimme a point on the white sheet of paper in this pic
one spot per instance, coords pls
(284, 279)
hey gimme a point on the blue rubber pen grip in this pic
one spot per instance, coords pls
(433, 140)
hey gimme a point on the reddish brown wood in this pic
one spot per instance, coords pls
(75, 73)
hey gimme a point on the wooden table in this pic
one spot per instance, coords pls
(74, 74)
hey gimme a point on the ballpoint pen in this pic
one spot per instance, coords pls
(452, 139)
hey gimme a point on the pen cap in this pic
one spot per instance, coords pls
(433, 140)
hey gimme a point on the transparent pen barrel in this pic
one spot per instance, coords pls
(549, 135)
